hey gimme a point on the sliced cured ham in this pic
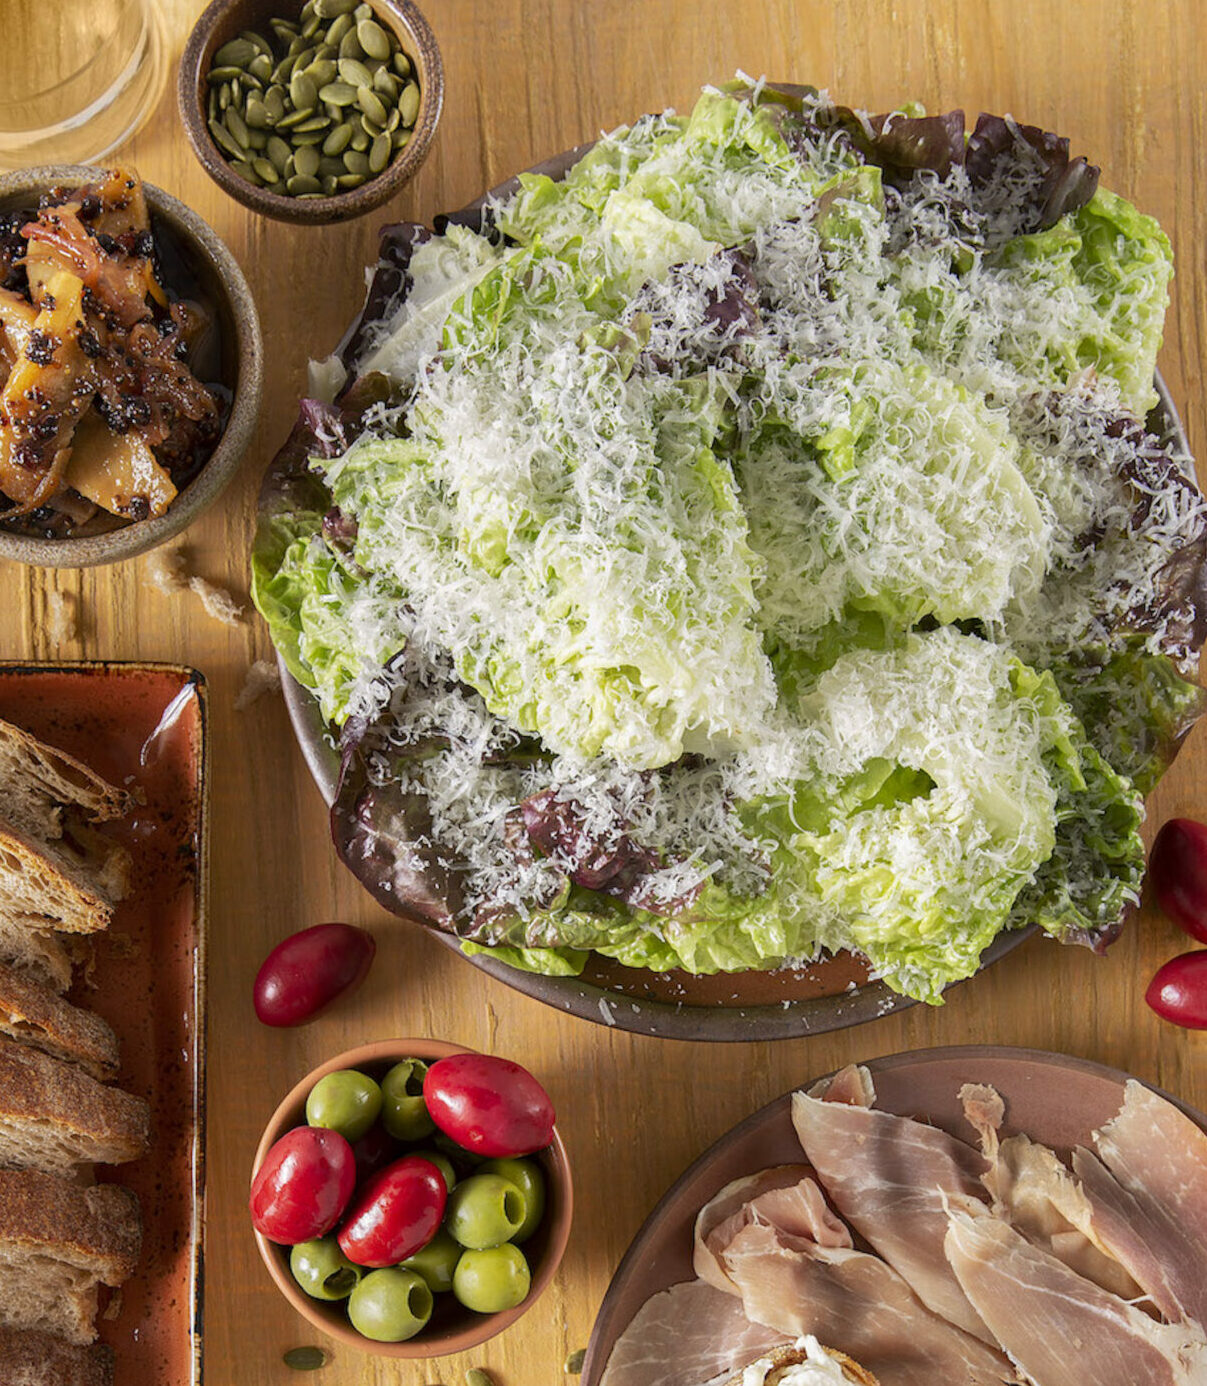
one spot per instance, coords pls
(1061, 1329)
(1036, 1195)
(688, 1335)
(1148, 1193)
(784, 1196)
(859, 1305)
(894, 1179)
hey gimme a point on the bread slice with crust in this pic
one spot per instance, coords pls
(783, 1358)
(32, 1014)
(71, 884)
(58, 1241)
(53, 1116)
(39, 954)
(28, 1358)
(38, 782)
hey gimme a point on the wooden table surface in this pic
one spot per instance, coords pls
(1127, 81)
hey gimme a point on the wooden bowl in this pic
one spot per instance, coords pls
(452, 1328)
(221, 21)
(241, 372)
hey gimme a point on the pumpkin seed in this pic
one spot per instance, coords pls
(237, 53)
(338, 28)
(278, 151)
(235, 124)
(222, 74)
(249, 81)
(245, 171)
(573, 1365)
(322, 70)
(349, 46)
(305, 1359)
(302, 183)
(337, 141)
(225, 140)
(363, 11)
(408, 103)
(303, 92)
(308, 138)
(477, 1377)
(400, 138)
(311, 26)
(369, 102)
(315, 124)
(338, 93)
(294, 118)
(332, 9)
(348, 181)
(261, 67)
(373, 38)
(257, 41)
(256, 114)
(306, 161)
(386, 84)
(266, 169)
(355, 162)
(379, 154)
(284, 69)
(285, 29)
(257, 139)
(274, 104)
(360, 140)
(395, 120)
(354, 71)
(402, 64)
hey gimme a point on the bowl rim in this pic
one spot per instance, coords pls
(290, 1112)
(219, 469)
(317, 211)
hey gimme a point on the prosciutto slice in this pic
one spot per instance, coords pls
(894, 1179)
(1148, 1194)
(688, 1335)
(1036, 1195)
(1061, 1329)
(860, 1305)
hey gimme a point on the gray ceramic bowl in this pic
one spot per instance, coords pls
(241, 372)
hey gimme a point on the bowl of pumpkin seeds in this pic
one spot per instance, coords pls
(314, 112)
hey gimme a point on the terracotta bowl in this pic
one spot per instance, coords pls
(453, 1328)
(222, 21)
(241, 371)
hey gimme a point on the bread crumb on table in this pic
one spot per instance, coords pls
(263, 677)
(61, 624)
(168, 572)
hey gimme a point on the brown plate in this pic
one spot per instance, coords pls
(1054, 1098)
(830, 994)
(143, 726)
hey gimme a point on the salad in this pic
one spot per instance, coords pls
(752, 545)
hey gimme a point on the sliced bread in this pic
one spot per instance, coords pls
(54, 1116)
(37, 782)
(37, 1359)
(70, 885)
(39, 954)
(58, 1241)
(32, 1014)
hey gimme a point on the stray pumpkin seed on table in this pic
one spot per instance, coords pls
(284, 106)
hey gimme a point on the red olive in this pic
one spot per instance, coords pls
(307, 971)
(395, 1214)
(303, 1185)
(374, 1151)
(1179, 991)
(1177, 866)
(489, 1106)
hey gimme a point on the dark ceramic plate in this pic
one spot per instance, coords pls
(1056, 1099)
(830, 994)
(143, 726)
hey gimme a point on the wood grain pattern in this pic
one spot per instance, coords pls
(1127, 80)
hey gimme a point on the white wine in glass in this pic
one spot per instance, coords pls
(77, 77)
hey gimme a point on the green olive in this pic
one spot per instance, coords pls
(322, 1269)
(404, 1112)
(442, 1163)
(485, 1210)
(461, 1158)
(527, 1177)
(437, 1261)
(345, 1101)
(391, 1305)
(492, 1280)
